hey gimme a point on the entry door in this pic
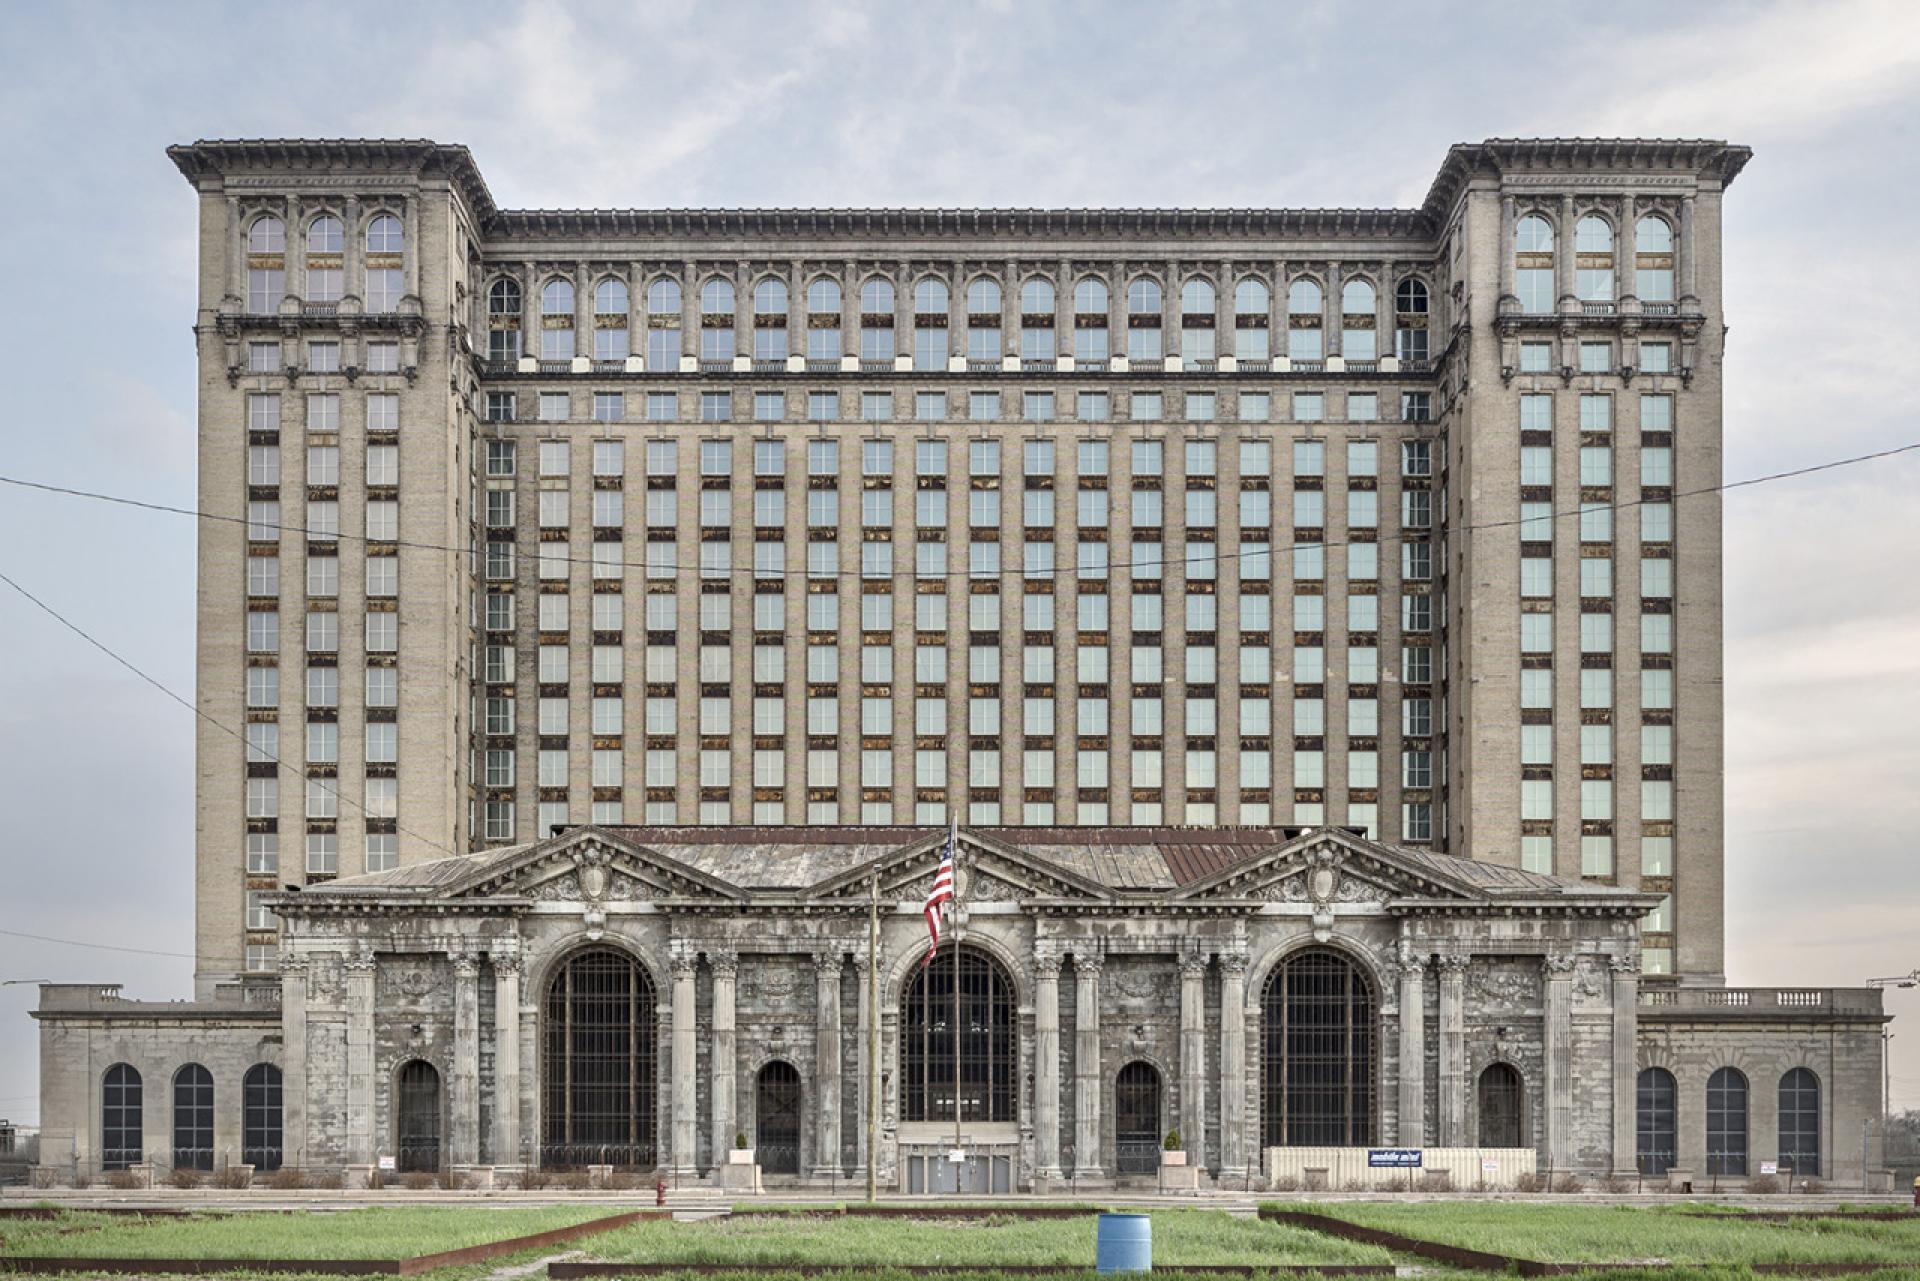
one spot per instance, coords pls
(777, 1118)
(1137, 1119)
(419, 1127)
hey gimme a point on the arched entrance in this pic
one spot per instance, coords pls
(1500, 1097)
(776, 1112)
(1136, 1119)
(598, 1082)
(1318, 1041)
(417, 1137)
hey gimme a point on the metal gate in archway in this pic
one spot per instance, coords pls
(1136, 1116)
(776, 1113)
(418, 1130)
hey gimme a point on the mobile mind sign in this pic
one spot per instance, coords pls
(1393, 1158)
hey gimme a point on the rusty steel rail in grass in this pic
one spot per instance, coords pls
(575, 1271)
(921, 1212)
(408, 1267)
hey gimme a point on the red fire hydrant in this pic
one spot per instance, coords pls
(660, 1192)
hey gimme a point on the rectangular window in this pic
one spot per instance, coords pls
(1596, 357)
(929, 406)
(1309, 406)
(1536, 357)
(769, 406)
(876, 406)
(716, 407)
(1656, 358)
(1093, 407)
(1146, 407)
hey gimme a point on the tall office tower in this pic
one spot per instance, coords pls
(1021, 517)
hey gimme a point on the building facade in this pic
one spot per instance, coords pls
(1097, 521)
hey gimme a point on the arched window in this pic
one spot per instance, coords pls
(1358, 340)
(1304, 321)
(776, 1118)
(1593, 263)
(1502, 1100)
(1303, 298)
(556, 298)
(1356, 298)
(1533, 265)
(1800, 1123)
(1143, 297)
(716, 322)
(267, 235)
(1197, 303)
(1091, 348)
(503, 298)
(1318, 1040)
(823, 296)
(1411, 298)
(1252, 303)
(876, 295)
(503, 321)
(987, 1055)
(930, 297)
(325, 235)
(384, 235)
(983, 323)
(1197, 298)
(770, 298)
(1090, 297)
(417, 1117)
(716, 297)
(261, 1123)
(610, 297)
(1136, 1119)
(1727, 1122)
(1251, 297)
(556, 320)
(770, 322)
(663, 297)
(983, 297)
(599, 1074)
(1656, 1121)
(1037, 297)
(1592, 235)
(193, 1118)
(122, 1139)
(1653, 259)
(1410, 306)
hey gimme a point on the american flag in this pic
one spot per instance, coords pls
(941, 894)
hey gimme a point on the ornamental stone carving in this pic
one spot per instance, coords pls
(1503, 987)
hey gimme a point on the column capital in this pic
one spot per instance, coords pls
(1626, 967)
(1193, 965)
(725, 965)
(357, 965)
(1452, 965)
(828, 963)
(294, 967)
(1046, 963)
(505, 963)
(683, 966)
(1559, 965)
(1233, 965)
(466, 965)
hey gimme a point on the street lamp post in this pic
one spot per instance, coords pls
(1909, 979)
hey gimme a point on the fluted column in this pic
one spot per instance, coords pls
(1413, 1052)
(725, 967)
(1233, 1065)
(1046, 1065)
(1453, 1051)
(530, 309)
(1509, 220)
(236, 255)
(1559, 1059)
(352, 279)
(827, 1068)
(1688, 292)
(1331, 313)
(1563, 257)
(1626, 1033)
(293, 1058)
(506, 1059)
(685, 1054)
(463, 1138)
(1193, 1057)
(1086, 1066)
(359, 976)
(1626, 251)
(863, 1060)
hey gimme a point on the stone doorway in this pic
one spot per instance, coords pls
(418, 1130)
(776, 1112)
(1136, 1114)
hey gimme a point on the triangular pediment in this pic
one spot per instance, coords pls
(990, 870)
(1329, 866)
(592, 865)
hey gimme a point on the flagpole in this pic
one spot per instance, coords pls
(873, 1036)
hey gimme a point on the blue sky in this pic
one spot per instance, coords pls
(961, 104)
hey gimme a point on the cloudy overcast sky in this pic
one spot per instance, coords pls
(962, 104)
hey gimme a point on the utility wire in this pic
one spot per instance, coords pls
(965, 575)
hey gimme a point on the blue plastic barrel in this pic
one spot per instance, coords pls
(1124, 1243)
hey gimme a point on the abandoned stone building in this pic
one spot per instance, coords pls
(1293, 613)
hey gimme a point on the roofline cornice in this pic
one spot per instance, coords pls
(418, 157)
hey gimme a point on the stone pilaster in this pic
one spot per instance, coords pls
(1559, 1060)
(1626, 251)
(293, 1076)
(1563, 258)
(1193, 1057)
(1233, 1066)
(506, 1060)
(1413, 1051)
(1086, 1065)
(725, 1055)
(1509, 225)
(1046, 1066)
(359, 979)
(463, 1138)
(1332, 316)
(685, 1076)
(353, 281)
(1626, 1032)
(1685, 246)
(1453, 1051)
(827, 1065)
(863, 1060)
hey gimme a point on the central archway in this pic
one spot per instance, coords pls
(968, 991)
(1318, 1040)
(776, 1118)
(418, 1121)
(1136, 1118)
(599, 1083)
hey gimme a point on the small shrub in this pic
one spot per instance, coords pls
(740, 1140)
(1813, 1186)
(1285, 1183)
(532, 1180)
(419, 1181)
(1389, 1185)
(1528, 1182)
(1568, 1183)
(1172, 1142)
(326, 1180)
(1616, 1183)
(183, 1178)
(123, 1180)
(232, 1176)
(288, 1178)
(1763, 1185)
(44, 1178)
(1354, 1185)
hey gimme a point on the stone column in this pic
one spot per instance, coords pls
(1233, 1065)
(685, 1057)
(1331, 313)
(463, 1137)
(296, 260)
(293, 1036)
(530, 309)
(1509, 220)
(506, 1059)
(1193, 1057)
(583, 311)
(1559, 1060)
(410, 245)
(1046, 1065)
(827, 1068)
(1453, 1051)
(863, 1061)
(1626, 1078)
(1086, 1066)
(725, 967)
(360, 1142)
(1626, 251)
(1413, 1051)
(1684, 246)
(352, 280)
(1563, 256)
(1384, 314)
(236, 255)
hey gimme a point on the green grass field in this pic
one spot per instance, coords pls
(1624, 1234)
(384, 1233)
(1179, 1236)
